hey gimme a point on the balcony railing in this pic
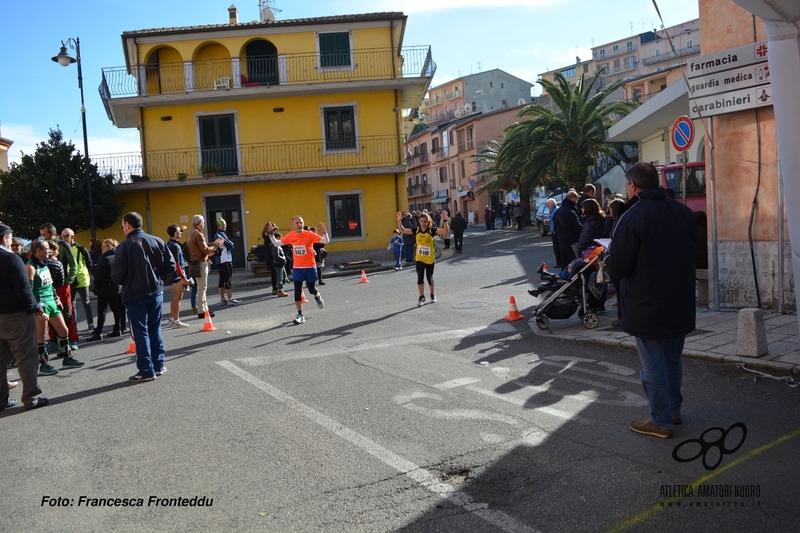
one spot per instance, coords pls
(247, 159)
(282, 69)
(682, 52)
(451, 96)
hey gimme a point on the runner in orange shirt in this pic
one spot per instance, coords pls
(304, 267)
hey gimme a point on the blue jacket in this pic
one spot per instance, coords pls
(653, 250)
(133, 267)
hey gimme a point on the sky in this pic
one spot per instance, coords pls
(522, 37)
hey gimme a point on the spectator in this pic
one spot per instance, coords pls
(17, 248)
(588, 192)
(519, 215)
(268, 255)
(396, 247)
(179, 279)
(408, 241)
(319, 256)
(551, 207)
(653, 252)
(459, 226)
(199, 253)
(141, 263)
(568, 228)
(80, 287)
(593, 225)
(19, 316)
(225, 264)
(108, 293)
(279, 261)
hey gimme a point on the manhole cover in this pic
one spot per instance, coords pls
(470, 305)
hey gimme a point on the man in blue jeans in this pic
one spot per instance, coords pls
(653, 250)
(141, 263)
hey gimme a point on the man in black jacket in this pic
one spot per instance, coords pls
(141, 262)
(568, 227)
(459, 226)
(653, 250)
(18, 315)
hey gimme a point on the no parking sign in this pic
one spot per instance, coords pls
(682, 133)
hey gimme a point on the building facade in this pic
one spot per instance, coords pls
(261, 121)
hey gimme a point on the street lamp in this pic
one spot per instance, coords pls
(64, 59)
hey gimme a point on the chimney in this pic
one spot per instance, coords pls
(233, 15)
(577, 59)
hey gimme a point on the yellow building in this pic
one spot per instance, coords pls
(264, 120)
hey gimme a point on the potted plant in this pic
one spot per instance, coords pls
(136, 177)
(209, 170)
(181, 176)
(434, 150)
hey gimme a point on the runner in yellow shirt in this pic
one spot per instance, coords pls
(425, 258)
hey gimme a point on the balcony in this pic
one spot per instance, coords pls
(452, 96)
(418, 159)
(681, 52)
(258, 159)
(418, 190)
(282, 74)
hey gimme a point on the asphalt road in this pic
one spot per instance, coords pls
(376, 415)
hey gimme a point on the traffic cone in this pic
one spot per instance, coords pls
(131, 346)
(303, 298)
(513, 314)
(207, 325)
(364, 277)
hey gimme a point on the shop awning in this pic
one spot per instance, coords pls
(439, 200)
(463, 193)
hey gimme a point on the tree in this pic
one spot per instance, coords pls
(50, 186)
(560, 146)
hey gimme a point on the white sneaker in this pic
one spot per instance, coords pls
(233, 301)
(433, 298)
(421, 301)
(223, 302)
(299, 319)
(178, 324)
(172, 325)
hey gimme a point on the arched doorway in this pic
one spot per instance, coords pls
(262, 63)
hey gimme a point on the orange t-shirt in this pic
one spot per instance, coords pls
(302, 248)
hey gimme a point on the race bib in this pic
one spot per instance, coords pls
(299, 250)
(44, 276)
(424, 251)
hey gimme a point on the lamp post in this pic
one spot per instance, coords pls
(64, 59)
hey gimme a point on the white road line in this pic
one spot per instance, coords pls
(424, 477)
(453, 383)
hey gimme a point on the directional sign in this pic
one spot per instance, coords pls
(682, 133)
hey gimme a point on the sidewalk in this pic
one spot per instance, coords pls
(714, 339)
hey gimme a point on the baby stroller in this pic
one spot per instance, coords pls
(580, 287)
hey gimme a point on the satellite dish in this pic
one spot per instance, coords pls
(521, 101)
(267, 15)
(459, 112)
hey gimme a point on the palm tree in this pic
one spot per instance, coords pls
(561, 145)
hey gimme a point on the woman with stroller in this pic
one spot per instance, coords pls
(593, 228)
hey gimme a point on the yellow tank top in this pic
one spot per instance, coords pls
(425, 247)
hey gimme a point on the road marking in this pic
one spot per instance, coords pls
(426, 478)
(548, 410)
(453, 383)
(457, 334)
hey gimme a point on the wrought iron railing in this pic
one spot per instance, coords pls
(246, 159)
(281, 69)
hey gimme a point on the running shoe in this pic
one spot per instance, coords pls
(299, 319)
(433, 298)
(421, 301)
(223, 302)
(161, 372)
(71, 362)
(233, 301)
(139, 378)
(52, 346)
(319, 301)
(73, 346)
(46, 369)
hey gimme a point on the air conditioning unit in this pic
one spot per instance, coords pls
(459, 188)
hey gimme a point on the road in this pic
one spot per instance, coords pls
(376, 415)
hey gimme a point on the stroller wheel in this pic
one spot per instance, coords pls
(590, 320)
(543, 322)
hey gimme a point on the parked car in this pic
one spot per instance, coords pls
(543, 220)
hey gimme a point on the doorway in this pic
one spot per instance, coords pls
(228, 207)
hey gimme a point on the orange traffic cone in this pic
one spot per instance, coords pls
(131, 346)
(303, 298)
(513, 314)
(207, 325)
(364, 277)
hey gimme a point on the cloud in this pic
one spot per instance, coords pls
(27, 136)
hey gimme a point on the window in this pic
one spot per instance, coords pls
(470, 138)
(443, 174)
(631, 61)
(689, 43)
(602, 53)
(568, 73)
(505, 102)
(409, 182)
(629, 46)
(452, 138)
(604, 67)
(345, 215)
(615, 48)
(463, 169)
(334, 49)
(658, 52)
(637, 95)
(586, 68)
(616, 64)
(462, 140)
(218, 143)
(416, 180)
(501, 85)
(340, 128)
